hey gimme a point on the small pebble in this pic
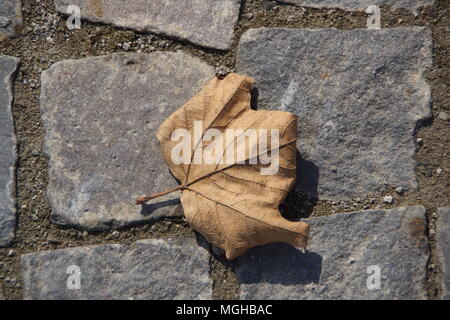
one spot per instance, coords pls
(399, 190)
(10, 253)
(438, 171)
(443, 115)
(222, 71)
(126, 46)
(419, 140)
(115, 234)
(350, 261)
(388, 199)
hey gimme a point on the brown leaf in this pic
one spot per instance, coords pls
(233, 205)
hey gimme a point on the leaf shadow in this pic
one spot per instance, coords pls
(279, 263)
(149, 208)
(275, 263)
(254, 95)
(303, 197)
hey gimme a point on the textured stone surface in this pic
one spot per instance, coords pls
(148, 269)
(361, 5)
(101, 115)
(359, 95)
(443, 246)
(208, 23)
(8, 152)
(340, 249)
(10, 18)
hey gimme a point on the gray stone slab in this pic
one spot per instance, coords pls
(341, 248)
(149, 269)
(101, 115)
(209, 23)
(10, 18)
(8, 152)
(361, 5)
(359, 95)
(443, 249)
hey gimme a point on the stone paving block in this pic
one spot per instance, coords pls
(149, 269)
(8, 152)
(101, 115)
(209, 23)
(335, 265)
(361, 5)
(10, 18)
(359, 95)
(443, 246)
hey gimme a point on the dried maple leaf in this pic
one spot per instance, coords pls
(233, 205)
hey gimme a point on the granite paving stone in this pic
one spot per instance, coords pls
(160, 269)
(10, 18)
(373, 254)
(208, 23)
(443, 246)
(8, 151)
(101, 115)
(359, 96)
(361, 5)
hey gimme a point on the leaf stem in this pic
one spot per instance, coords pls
(185, 185)
(142, 200)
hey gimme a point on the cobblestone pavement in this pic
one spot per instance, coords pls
(79, 110)
(8, 155)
